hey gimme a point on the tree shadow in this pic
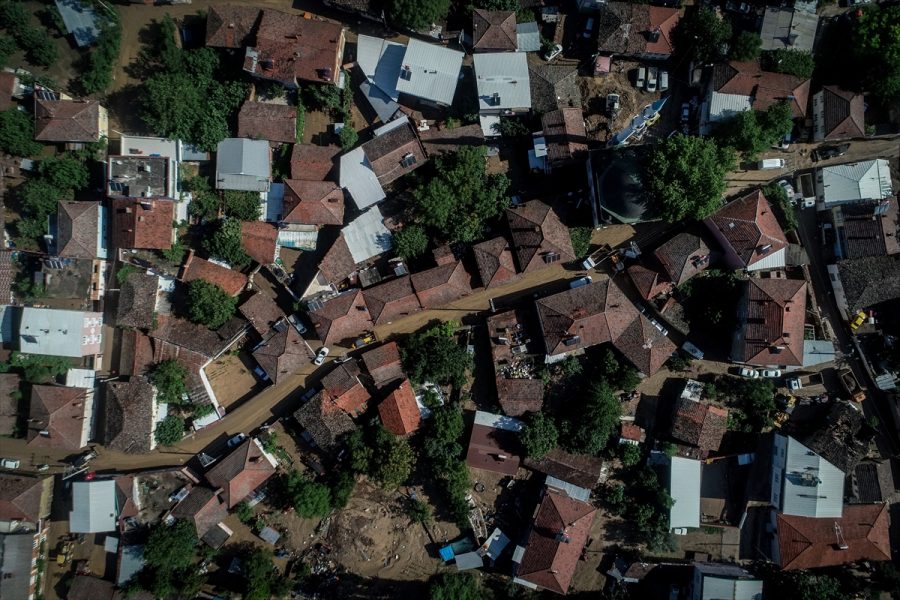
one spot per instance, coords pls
(125, 103)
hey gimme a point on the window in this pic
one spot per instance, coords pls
(408, 160)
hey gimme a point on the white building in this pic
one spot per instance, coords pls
(93, 507)
(804, 483)
(853, 182)
(52, 332)
(504, 87)
(430, 72)
(684, 487)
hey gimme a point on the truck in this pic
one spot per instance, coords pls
(798, 382)
(851, 385)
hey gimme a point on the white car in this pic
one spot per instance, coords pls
(749, 373)
(771, 373)
(295, 320)
(659, 326)
(788, 189)
(320, 357)
(580, 282)
(9, 463)
(556, 51)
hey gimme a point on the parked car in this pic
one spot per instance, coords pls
(553, 52)
(235, 440)
(85, 458)
(612, 103)
(788, 190)
(771, 373)
(320, 357)
(858, 319)
(179, 495)
(260, 373)
(692, 350)
(663, 81)
(826, 152)
(580, 282)
(651, 79)
(9, 463)
(640, 78)
(588, 28)
(749, 373)
(295, 320)
(685, 112)
(659, 326)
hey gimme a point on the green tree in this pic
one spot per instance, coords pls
(687, 175)
(171, 547)
(39, 198)
(64, 171)
(701, 34)
(511, 128)
(321, 96)
(208, 304)
(37, 368)
(758, 398)
(630, 454)
(204, 201)
(461, 197)
(17, 133)
(243, 206)
(432, 355)
(101, 60)
(263, 579)
(581, 240)
(791, 61)
(395, 459)
(348, 137)
(876, 47)
(38, 46)
(419, 512)
(226, 243)
(309, 498)
(169, 377)
(596, 421)
(746, 46)
(342, 486)
(418, 14)
(7, 48)
(614, 497)
(539, 436)
(175, 253)
(14, 15)
(411, 241)
(170, 430)
(454, 586)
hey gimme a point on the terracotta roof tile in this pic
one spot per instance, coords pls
(494, 449)
(8, 83)
(643, 345)
(267, 121)
(748, 225)
(441, 139)
(773, 313)
(442, 285)
(682, 257)
(7, 272)
(241, 472)
(553, 86)
(128, 421)
(649, 283)
(342, 386)
(60, 411)
(337, 264)
(231, 26)
(625, 29)
(324, 421)
(85, 587)
(699, 424)
(341, 318)
(20, 497)
(808, 542)
(78, 224)
(232, 282)
(142, 223)
(67, 120)
(313, 163)
(766, 87)
(260, 241)
(399, 412)
(494, 30)
(136, 353)
(518, 396)
(261, 311)
(383, 364)
(283, 354)
(630, 431)
(386, 153)
(203, 508)
(868, 234)
(870, 281)
(843, 113)
(313, 202)
(565, 134)
(137, 301)
(495, 262)
(391, 300)
(537, 232)
(195, 337)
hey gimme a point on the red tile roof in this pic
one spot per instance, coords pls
(20, 497)
(313, 163)
(391, 300)
(231, 26)
(203, 508)
(560, 530)
(663, 20)
(78, 224)
(283, 354)
(241, 472)
(67, 120)
(699, 424)
(644, 345)
(518, 396)
(565, 134)
(582, 470)
(775, 315)
(809, 543)
(399, 412)
(260, 241)
(128, 423)
(495, 262)
(649, 283)
(843, 113)
(494, 449)
(442, 285)
(142, 223)
(536, 232)
(261, 311)
(341, 318)
(383, 364)
(337, 264)
(630, 431)
(682, 257)
(292, 48)
(324, 421)
(766, 88)
(267, 121)
(386, 153)
(60, 411)
(624, 28)
(749, 228)
(494, 30)
(232, 282)
(313, 202)
(342, 386)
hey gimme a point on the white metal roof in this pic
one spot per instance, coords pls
(367, 236)
(684, 487)
(380, 61)
(722, 106)
(502, 80)
(813, 487)
(772, 260)
(80, 378)
(102, 233)
(357, 176)
(498, 421)
(93, 507)
(722, 588)
(788, 29)
(71, 333)
(430, 71)
(528, 37)
(570, 489)
(243, 164)
(865, 180)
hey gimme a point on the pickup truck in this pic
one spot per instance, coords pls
(797, 382)
(851, 385)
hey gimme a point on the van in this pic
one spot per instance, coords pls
(588, 28)
(663, 81)
(771, 163)
(651, 79)
(641, 77)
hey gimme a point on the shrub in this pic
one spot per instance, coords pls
(411, 241)
(208, 304)
(581, 241)
(539, 436)
(170, 431)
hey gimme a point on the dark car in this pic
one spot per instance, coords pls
(826, 152)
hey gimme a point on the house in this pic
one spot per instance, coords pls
(748, 231)
(699, 424)
(244, 165)
(441, 285)
(865, 282)
(341, 318)
(429, 73)
(87, 587)
(786, 28)
(518, 396)
(553, 86)
(241, 472)
(383, 364)
(231, 282)
(582, 470)
(684, 488)
(441, 139)
(565, 135)
(724, 582)
(313, 163)
(55, 332)
(142, 224)
(494, 30)
(311, 202)
(682, 257)
(231, 26)
(838, 114)
(636, 30)
(81, 230)
(205, 510)
(865, 229)
(853, 182)
(94, 508)
(323, 421)
(70, 121)
(495, 262)
(771, 316)
(860, 534)
(131, 416)
(361, 240)
(260, 241)
(841, 437)
(291, 48)
(629, 433)
(262, 312)
(60, 418)
(380, 62)
(275, 123)
(283, 353)
(367, 9)
(399, 412)
(538, 236)
(503, 87)
(9, 89)
(804, 484)
(342, 386)
(22, 558)
(139, 176)
(393, 152)
(494, 443)
(391, 300)
(558, 534)
(25, 501)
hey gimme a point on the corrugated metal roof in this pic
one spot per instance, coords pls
(722, 106)
(60, 332)
(816, 352)
(788, 29)
(774, 260)
(718, 588)
(502, 80)
(367, 236)
(80, 378)
(813, 487)
(93, 507)
(380, 61)
(498, 421)
(302, 240)
(430, 72)
(81, 21)
(357, 176)
(684, 487)
(571, 490)
(243, 164)
(528, 37)
(866, 180)
(15, 567)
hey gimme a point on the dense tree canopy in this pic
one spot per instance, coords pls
(746, 46)
(226, 243)
(309, 498)
(262, 577)
(169, 378)
(170, 430)
(411, 241)
(791, 61)
(460, 197)
(100, 61)
(596, 421)
(454, 586)
(171, 547)
(751, 132)
(243, 206)
(540, 435)
(64, 171)
(208, 304)
(37, 368)
(17, 133)
(432, 354)
(381, 455)
(418, 14)
(701, 34)
(876, 46)
(687, 176)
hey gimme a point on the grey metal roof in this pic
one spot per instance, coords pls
(506, 75)
(789, 29)
(528, 37)
(380, 61)
(571, 490)
(430, 72)
(816, 352)
(469, 560)
(7, 313)
(15, 565)
(81, 21)
(93, 507)
(813, 487)
(367, 236)
(864, 180)
(720, 588)
(243, 164)
(380, 102)
(684, 487)
(130, 563)
(55, 332)
(722, 106)
(358, 178)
